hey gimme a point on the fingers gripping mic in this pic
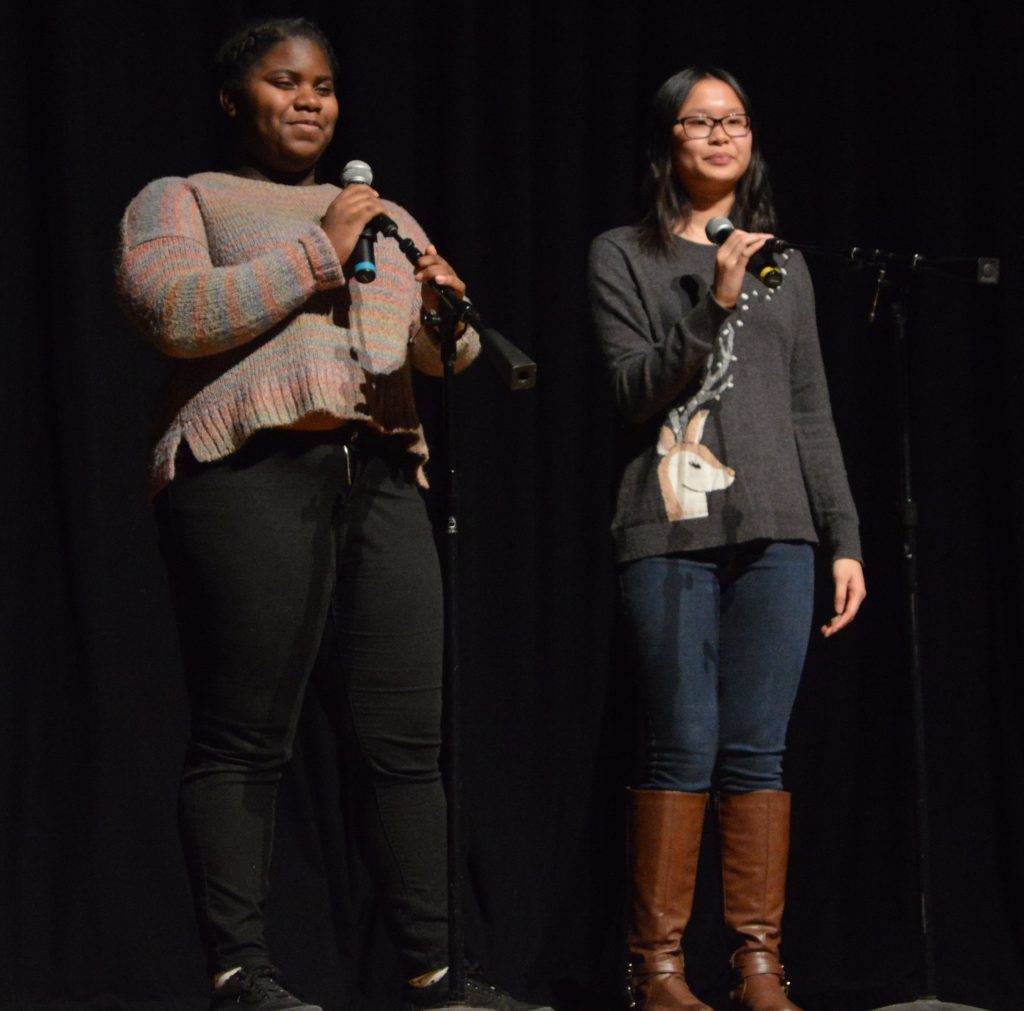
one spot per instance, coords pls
(364, 263)
(762, 264)
(360, 172)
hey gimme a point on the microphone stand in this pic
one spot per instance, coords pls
(519, 372)
(894, 273)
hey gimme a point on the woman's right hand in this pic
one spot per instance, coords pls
(731, 264)
(349, 213)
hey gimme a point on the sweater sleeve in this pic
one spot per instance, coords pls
(821, 459)
(648, 370)
(170, 289)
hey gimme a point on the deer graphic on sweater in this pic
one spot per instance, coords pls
(688, 471)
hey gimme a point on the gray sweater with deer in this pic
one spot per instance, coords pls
(730, 436)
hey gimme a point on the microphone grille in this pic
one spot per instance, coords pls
(356, 172)
(718, 230)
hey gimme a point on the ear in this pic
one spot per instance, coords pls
(695, 429)
(227, 103)
(666, 440)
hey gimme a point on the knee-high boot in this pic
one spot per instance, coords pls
(755, 849)
(665, 831)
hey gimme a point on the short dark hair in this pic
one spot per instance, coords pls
(248, 44)
(665, 199)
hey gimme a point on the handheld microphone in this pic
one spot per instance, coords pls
(364, 264)
(356, 172)
(762, 264)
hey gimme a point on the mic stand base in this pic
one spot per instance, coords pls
(927, 1004)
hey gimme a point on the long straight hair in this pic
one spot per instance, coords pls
(665, 200)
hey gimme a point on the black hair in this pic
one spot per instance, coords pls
(665, 200)
(249, 43)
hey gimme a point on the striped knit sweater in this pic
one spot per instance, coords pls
(236, 282)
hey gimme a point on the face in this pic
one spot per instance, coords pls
(286, 110)
(711, 167)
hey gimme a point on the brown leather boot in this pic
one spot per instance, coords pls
(755, 849)
(665, 831)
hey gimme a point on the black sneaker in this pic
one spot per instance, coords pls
(480, 996)
(258, 989)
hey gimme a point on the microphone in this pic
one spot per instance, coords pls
(762, 264)
(364, 264)
(356, 172)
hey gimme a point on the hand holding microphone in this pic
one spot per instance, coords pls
(351, 222)
(358, 205)
(432, 270)
(741, 252)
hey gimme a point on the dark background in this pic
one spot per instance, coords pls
(513, 133)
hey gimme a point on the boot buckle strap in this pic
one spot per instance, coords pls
(667, 965)
(757, 963)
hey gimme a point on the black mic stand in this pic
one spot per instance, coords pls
(519, 372)
(893, 284)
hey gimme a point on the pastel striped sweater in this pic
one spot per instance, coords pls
(236, 282)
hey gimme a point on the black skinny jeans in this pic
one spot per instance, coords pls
(295, 530)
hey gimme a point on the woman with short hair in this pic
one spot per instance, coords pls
(287, 478)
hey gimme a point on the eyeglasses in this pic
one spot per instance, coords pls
(701, 127)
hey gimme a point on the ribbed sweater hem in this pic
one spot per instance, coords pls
(217, 430)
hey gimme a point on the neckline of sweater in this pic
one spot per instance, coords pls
(291, 187)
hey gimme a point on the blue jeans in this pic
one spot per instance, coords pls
(720, 638)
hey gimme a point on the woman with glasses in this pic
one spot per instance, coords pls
(732, 473)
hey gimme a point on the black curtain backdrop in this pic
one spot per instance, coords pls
(512, 132)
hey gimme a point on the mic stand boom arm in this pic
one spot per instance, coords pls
(512, 366)
(972, 269)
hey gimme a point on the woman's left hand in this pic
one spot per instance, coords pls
(848, 575)
(432, 267)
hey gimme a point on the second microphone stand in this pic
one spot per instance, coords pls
(893, 276)
(895, 291)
